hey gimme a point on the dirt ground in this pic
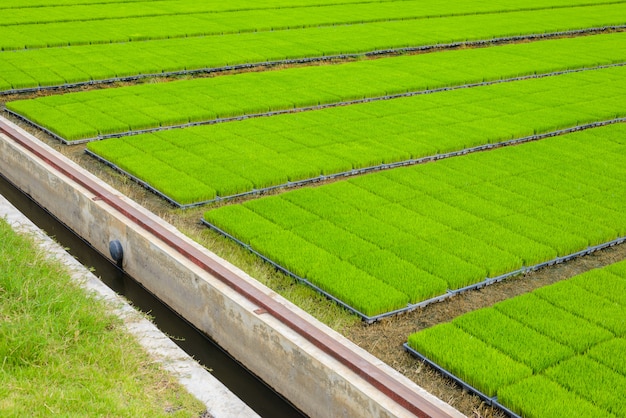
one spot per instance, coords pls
(383, 339)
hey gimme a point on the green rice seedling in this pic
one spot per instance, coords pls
(595, 232)
(538, 396)
(529, 251)
(336, 241)
(563, 242)
(433, 208)
(592, 381)
(75, 130)
(603, 283)
(134, 119)
(610, 353)
(529, 189)
(369, 228)
(392, 191)
(96, 68)
(360, 290)
(597, 207)
(416, 283)
(516, 340)
(409, 222)
(260, 174)
(282, 212)
(304, 51)
(455, 271)
(468, 358)
(350, 192)
(558, 324)
(37, 112)
(45, 77)
(233, 217)
(502, 197)
(339, 278)
(587, 305)
(69, 74)
(618, 269)
(486, 256)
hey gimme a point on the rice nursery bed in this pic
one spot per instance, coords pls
(102, 113)
(204, 163)
(553, 352)
(386, 240)
(390, 240)
(44, 59)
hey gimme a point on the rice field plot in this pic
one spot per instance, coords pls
(44, 66)
(557, 351)
(174, 25)
(201, 164)
(68, 11)
(87, 115)
(387, 241)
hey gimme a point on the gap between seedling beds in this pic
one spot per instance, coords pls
(354, 172)
(307, 108)
(269, 64)
(411, 307)
(491, 401)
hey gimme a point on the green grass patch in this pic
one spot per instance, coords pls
(62, 353)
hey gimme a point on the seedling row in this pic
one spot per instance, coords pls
(215, 161)
(67, 11)
(92, 114)
(388, 239)
(83, 63)
(53, 34)
(557, 351)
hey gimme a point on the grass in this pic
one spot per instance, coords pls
(62, 353)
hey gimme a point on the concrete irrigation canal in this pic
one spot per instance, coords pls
(317, 370)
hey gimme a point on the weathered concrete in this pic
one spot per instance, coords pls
(219, 401)
(320, 375)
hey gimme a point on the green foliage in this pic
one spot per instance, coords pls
(611, 354)
(591, 307)
(198, 52)
(337, 277)
(539, 396)
(592, 381)
(561, 331)
(468, 358)
(605, 284)
(513, 338)
(405, 228)
(558, 324)
(256, 153)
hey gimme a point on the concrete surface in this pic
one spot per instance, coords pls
(317, 369)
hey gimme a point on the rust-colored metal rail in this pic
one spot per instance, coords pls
(391, 387)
